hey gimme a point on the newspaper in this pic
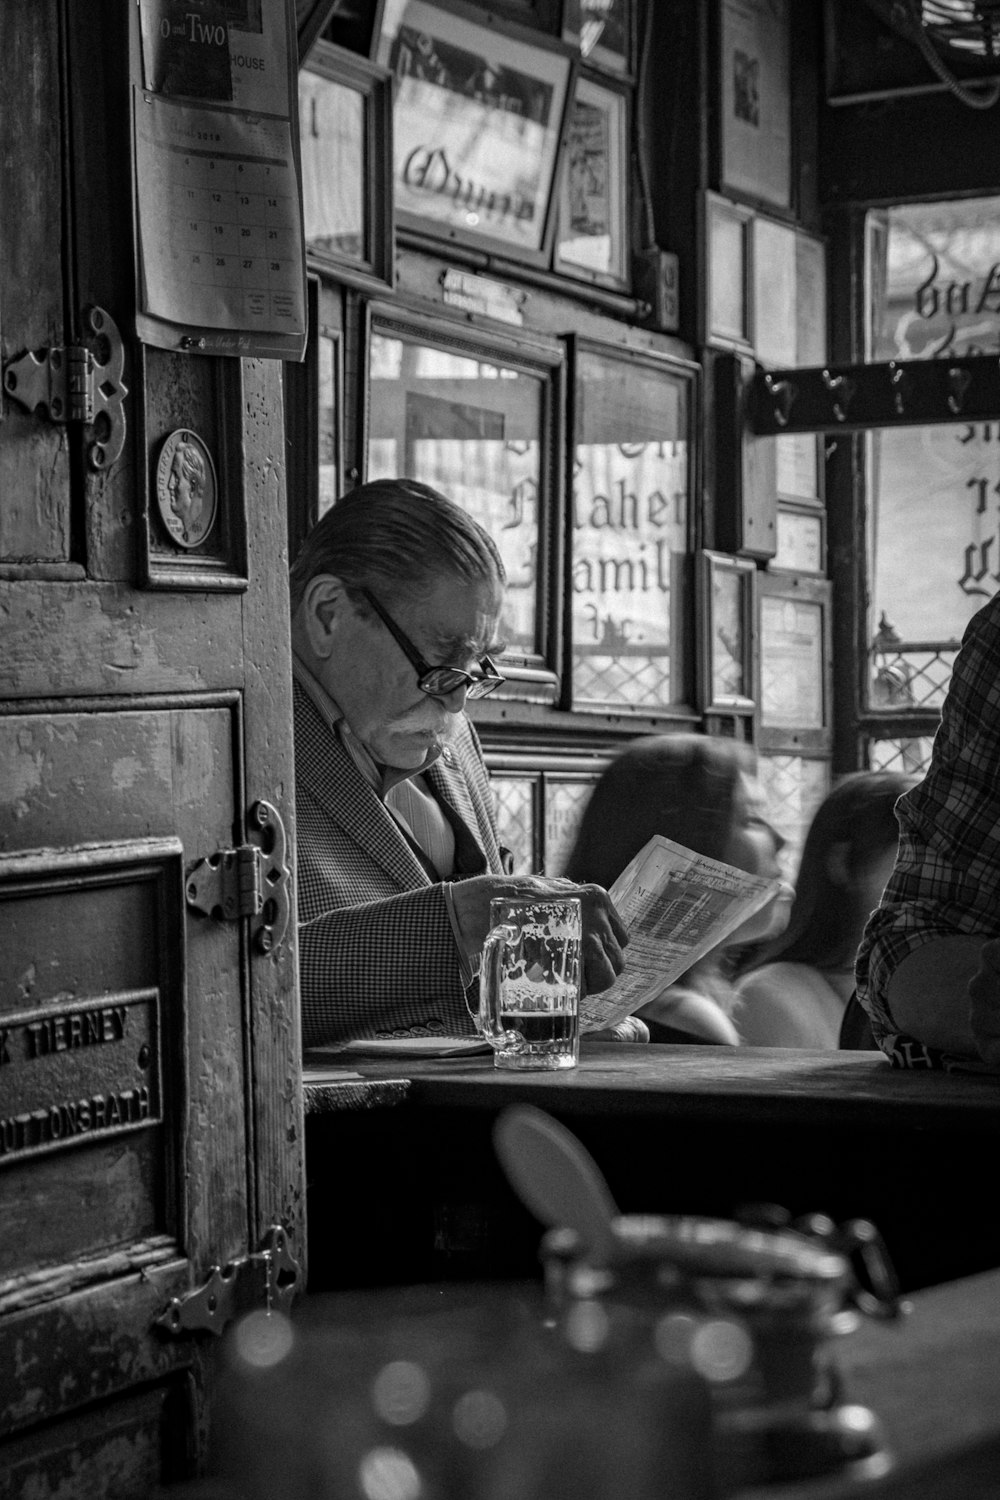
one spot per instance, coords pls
(677, 906)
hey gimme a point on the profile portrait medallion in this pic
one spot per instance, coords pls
(186, 489)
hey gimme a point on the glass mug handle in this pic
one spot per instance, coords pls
(491, 988)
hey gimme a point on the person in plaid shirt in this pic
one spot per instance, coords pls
(396, 596)
(928, 968)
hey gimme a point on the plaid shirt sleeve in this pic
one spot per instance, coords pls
(946, 881)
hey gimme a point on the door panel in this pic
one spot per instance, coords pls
(150, 1089)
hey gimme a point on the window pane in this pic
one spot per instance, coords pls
(910, 754)
(564, 804)
(793, 789)
(471, 429)
(934, 279)
(934, 553)
(328, 403)
(514, 798)
(934, 492)
(630, 530)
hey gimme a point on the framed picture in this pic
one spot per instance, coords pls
(795, 663)
(726, 610)
(478, 122)
(727, 268)
(603, 30)
(801, 539)
(478, 416)
(755, 100)
(798, 470)
(592, 237)
(345, 128)
(633, 461)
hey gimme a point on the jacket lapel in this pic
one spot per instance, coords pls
(449, 786)
(329, 773)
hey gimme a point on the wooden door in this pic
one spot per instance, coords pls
(150, 1103)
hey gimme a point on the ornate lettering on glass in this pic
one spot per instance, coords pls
(631, 473)
(934, 509)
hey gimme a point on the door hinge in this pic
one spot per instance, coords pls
(252, 880)
(268, 1279)
(78, 384)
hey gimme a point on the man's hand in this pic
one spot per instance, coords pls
(984, 1005)
(604, 935)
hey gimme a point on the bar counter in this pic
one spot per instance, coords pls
(402, 1150)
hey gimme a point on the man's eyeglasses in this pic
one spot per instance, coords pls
(438, 682)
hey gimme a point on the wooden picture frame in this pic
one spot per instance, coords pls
(193, 453)
(755, 108)
(592, 237)
(634, 462)
(493, 444)
(479, 124)
(345, 131)
(603, 31)
(788, 294)
(796, 663)
(727, 257)
(726, 611)
(801, 538)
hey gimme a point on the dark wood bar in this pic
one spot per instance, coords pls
(404, 1154)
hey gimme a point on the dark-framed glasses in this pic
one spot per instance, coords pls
(438, 682)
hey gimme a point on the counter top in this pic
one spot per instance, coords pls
(403, 1150)
(756, 1084)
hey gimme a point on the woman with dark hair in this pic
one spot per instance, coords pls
(796, 991)
(702, 792)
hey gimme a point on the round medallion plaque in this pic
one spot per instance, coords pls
(186, 488)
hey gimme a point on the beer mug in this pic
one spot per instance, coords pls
(529, 984)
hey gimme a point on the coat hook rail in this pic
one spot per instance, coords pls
(853, 398)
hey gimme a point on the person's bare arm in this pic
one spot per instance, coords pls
(928, 995)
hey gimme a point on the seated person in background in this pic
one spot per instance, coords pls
(928, 969)
(396, 597)
(798, 984)
(701, 792)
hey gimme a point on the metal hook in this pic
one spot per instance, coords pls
(842, 391)
(899, 381)
(783, 394)
(959, 381)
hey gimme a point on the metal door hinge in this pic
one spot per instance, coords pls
(269, 1279)
(252, 880)
(78, 384)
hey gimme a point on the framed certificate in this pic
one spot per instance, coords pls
(725, 606)
(727, 299)
(795, 663)
(592, 238)
(755, 100)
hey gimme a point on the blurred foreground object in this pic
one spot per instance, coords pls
(452, 1393)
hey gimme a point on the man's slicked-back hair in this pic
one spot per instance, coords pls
(395, 534)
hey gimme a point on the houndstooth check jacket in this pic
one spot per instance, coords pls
(377, 953)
